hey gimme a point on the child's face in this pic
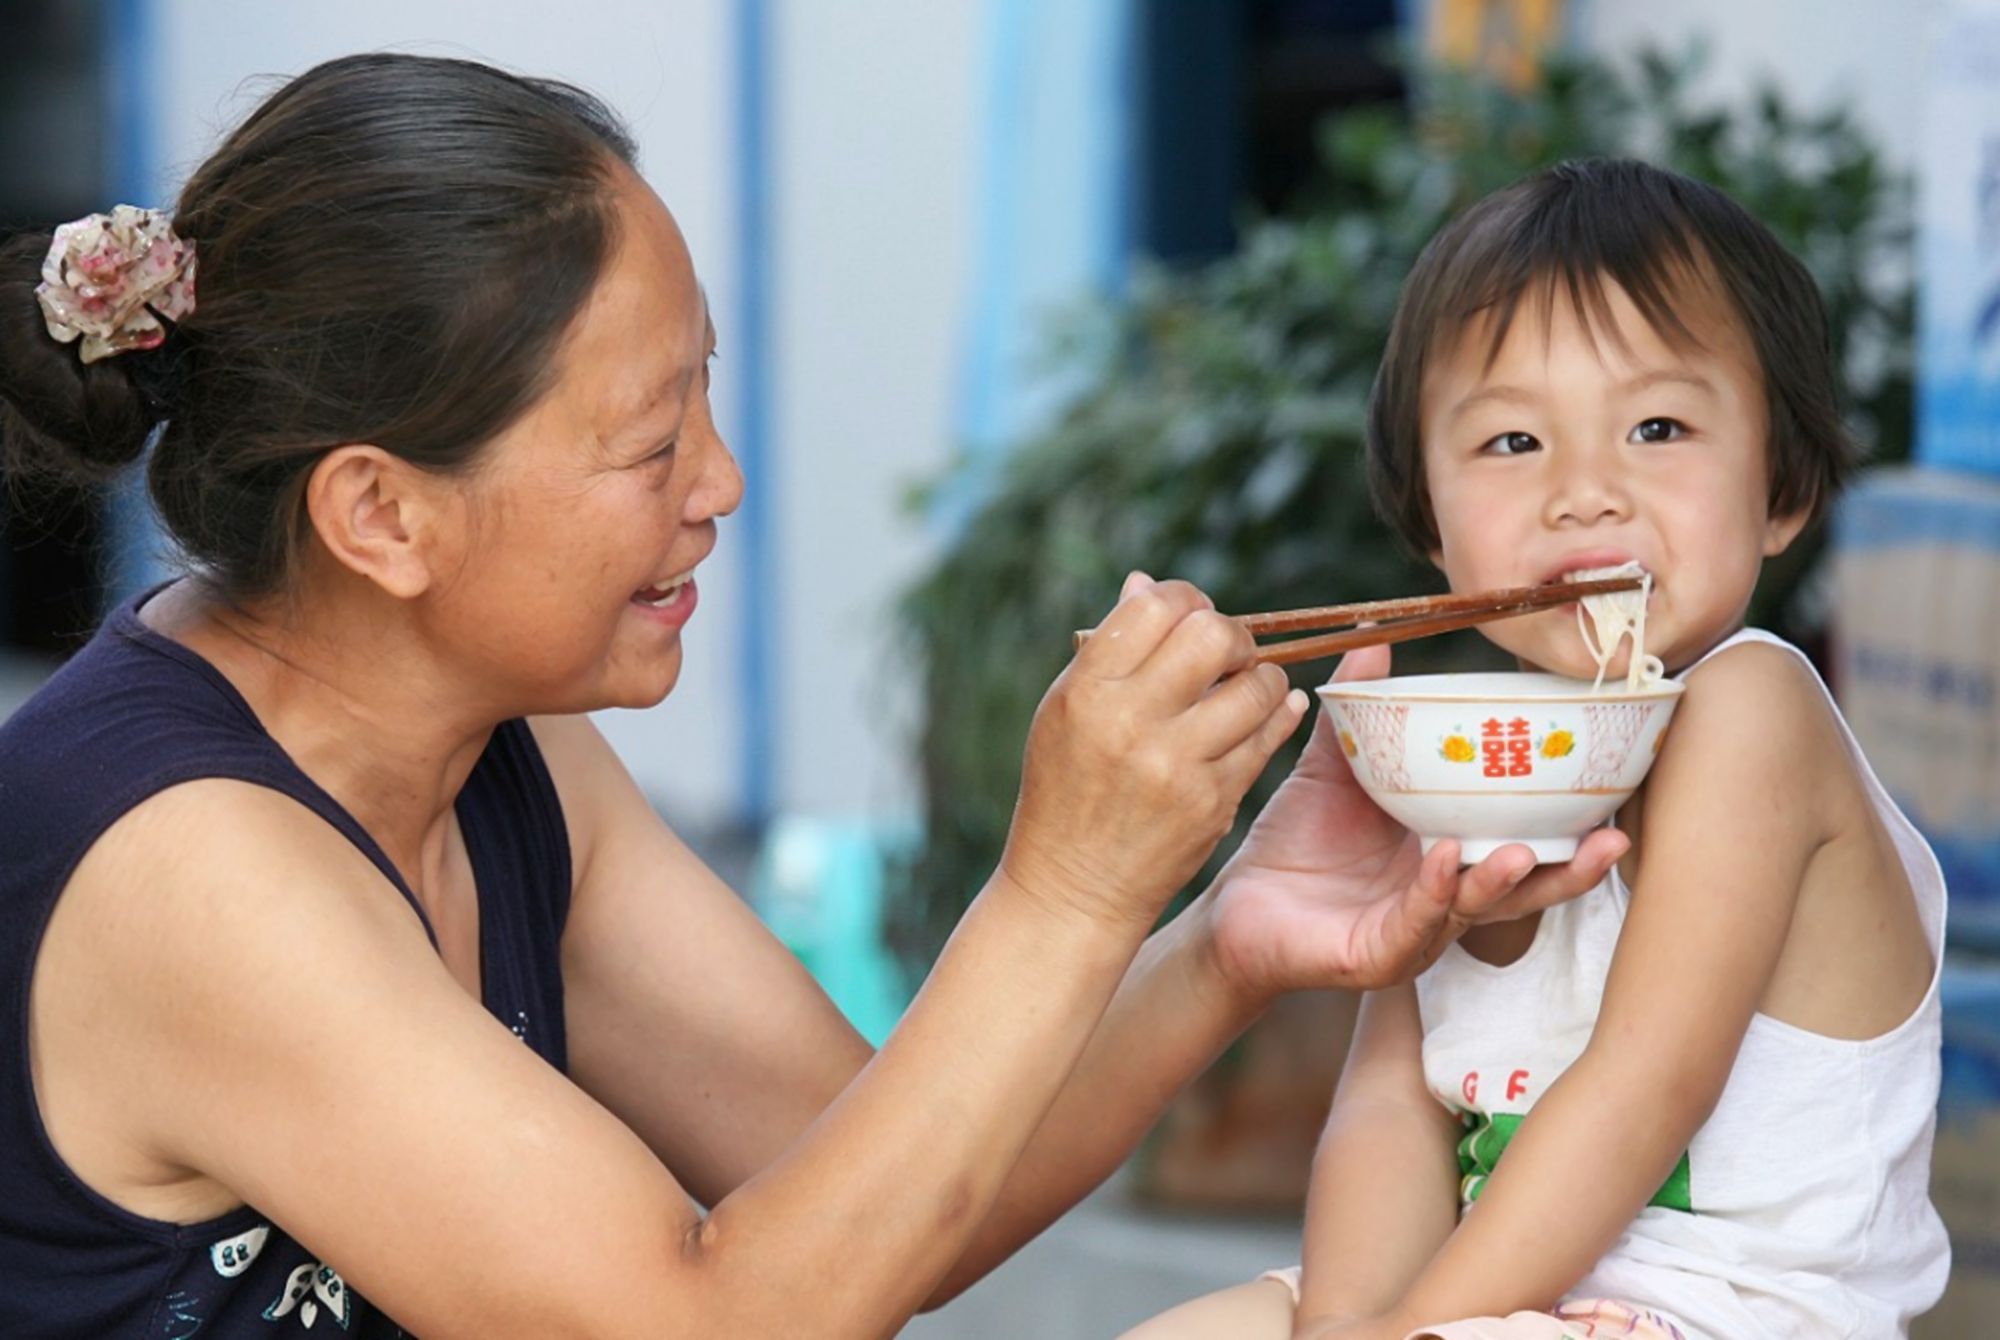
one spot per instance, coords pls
(1569, 452)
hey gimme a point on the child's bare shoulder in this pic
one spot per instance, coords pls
(1763, 694)
(1755, 668)
(1754, 720)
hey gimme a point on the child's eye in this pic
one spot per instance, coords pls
(1659, 430)
(1511, 444)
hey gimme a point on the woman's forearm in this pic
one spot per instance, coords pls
(1171, 1017)
(911, 1158)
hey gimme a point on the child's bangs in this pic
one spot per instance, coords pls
(1574, 247)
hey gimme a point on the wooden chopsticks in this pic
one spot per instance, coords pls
(1406, 618)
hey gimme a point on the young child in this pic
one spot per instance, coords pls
(1713, 1077)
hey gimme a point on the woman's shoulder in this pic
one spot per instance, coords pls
(220, 939)
(210, 859)
(197, 894)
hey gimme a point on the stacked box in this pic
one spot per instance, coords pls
(1916, 626)
(1965, 1171)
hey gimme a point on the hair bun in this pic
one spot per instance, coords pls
(59, 416)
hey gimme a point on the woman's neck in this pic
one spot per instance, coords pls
(344, 684)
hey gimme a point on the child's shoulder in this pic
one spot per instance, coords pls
(1762, 678)
(1751, 659)
(1759, 704)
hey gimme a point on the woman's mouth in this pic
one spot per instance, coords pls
(671, 602)
(660, 596)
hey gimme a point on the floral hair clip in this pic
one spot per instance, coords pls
(110, 278)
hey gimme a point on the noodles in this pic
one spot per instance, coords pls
(1612, 616)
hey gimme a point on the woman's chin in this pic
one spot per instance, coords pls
(638, 697)
(637, 683)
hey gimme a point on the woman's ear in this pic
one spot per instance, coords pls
(375, 515)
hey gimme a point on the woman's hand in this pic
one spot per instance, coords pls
(1140, 754)
(1329, 891)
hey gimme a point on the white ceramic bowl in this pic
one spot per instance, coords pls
(1491, 759)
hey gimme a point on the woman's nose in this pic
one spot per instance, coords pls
(720, 488)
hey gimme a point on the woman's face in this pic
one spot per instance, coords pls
(583, 524)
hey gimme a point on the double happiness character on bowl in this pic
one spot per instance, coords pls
(1490, 759)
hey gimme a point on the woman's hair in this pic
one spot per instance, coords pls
(390, 250)
(1663, 238)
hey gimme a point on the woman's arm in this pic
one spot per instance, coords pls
(1731, 818)
(1326, 892)
(1384, 1191)
(298, 1042)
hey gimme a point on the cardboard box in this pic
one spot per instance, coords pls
(1916, 627)
(1965, 1169)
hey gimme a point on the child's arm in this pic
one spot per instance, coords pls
(1384, 1190)
(1732, 816)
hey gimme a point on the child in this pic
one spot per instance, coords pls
(1714, 1076)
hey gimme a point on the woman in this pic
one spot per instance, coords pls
(304, 847)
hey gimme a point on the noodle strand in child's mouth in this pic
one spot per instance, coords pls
(1612, 617)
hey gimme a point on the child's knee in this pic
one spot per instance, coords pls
(1259, 1310)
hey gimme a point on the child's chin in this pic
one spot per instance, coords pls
(1574, 665)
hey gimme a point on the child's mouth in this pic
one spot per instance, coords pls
(1598, 571)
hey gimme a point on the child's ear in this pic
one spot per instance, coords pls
(1781, 529)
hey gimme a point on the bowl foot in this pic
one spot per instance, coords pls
(1548, 851)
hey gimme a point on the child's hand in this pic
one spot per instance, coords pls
(1329, 891)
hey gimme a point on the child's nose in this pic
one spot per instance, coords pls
(1587, 492)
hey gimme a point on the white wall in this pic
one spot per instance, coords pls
(1868, 54)
(872, 128)
(875, 155)
(666, 69)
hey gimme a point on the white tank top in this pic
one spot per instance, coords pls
(1802, 1207)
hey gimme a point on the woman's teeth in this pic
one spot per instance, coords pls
(661, 595)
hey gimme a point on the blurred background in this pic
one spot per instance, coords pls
(1016, 295)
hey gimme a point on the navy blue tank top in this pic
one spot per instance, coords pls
(129, 715)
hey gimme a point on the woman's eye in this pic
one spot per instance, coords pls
(1512, 444)
(665, 453)
(1659, 430)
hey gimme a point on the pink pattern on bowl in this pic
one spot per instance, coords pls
(1379, 728)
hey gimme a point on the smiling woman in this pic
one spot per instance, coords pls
(306, 845)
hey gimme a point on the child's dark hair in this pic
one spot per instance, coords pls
(390, 250)
(1568, 230)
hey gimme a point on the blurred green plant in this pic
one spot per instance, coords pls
(1215, 430)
